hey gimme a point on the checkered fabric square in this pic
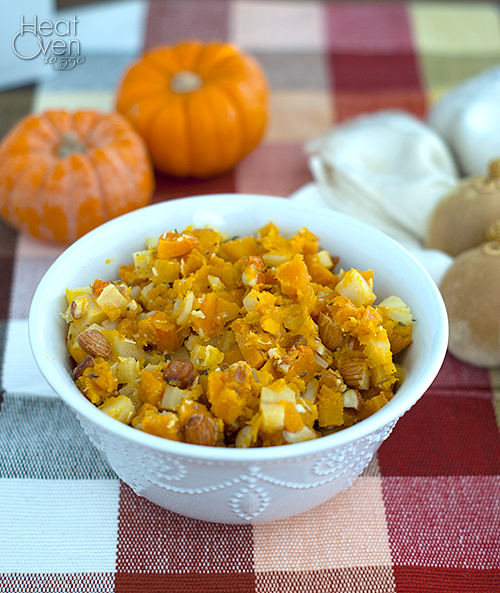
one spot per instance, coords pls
(425, 514)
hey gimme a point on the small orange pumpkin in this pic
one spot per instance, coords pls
(200, 107)
(63, 174)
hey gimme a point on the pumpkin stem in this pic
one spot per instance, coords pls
(185, 81)
(70, 143)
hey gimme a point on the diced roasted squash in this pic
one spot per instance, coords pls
(173, 244)
(152, 386)
(97, 382)
(330, 407)
(247, 342)
(233, 393)
(161, 424)
(160, 331)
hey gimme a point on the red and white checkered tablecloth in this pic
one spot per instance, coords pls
(425, 514)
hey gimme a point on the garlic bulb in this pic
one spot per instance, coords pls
(471, 293)
(460, 219)
(468, 119)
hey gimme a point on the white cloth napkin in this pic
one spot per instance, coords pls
(388, 169)
(468, 119)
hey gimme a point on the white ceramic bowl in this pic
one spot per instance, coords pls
(235, 485)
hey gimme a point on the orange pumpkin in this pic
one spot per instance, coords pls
(63, 174)
(200, 107)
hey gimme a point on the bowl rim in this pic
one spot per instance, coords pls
(385, 417)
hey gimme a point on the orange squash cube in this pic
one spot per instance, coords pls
(174, 244)
(293, 419)
(160, 424)
(294, 277)
(330, 407)
(319, 274)
(302, 363)
(237, 248)
(373, 405)
(151, 387)
(97, 382)
(160, 331)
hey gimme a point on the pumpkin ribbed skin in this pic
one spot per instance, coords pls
(63, 174)
(200, 107)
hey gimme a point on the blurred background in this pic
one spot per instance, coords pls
(326, 61)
